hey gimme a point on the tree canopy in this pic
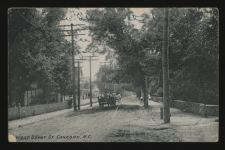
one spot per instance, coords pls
(38, 52)
(36, 48)
(193, 48)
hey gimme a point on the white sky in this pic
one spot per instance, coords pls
(72, 17)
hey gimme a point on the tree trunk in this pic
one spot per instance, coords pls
(145, 92)
(61, 95)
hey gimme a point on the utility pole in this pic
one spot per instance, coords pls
(73, 53)
(71, 30)
(73, 61)
(78, 82)
(90, 83)
(166, 101)
(90, 60)
(78, 71)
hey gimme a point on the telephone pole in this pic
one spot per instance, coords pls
(90, 61)
(73, 61)
(90, 83)
(78, 82)
(71, 31)
(73, 55)
(165, 68)
(78, 71)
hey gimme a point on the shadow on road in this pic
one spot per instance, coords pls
(97, 109)
(143, 135)
(129, 107)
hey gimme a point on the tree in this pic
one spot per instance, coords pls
(193, 51)
(18, 72)
(35, 48)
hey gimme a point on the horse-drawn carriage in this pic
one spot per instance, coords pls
(109, 99)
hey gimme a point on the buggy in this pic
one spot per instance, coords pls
(107, 99)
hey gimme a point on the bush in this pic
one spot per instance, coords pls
(190, 91)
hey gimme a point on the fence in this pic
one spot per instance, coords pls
(21, 112)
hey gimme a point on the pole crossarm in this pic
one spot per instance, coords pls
(75, 30)
(79, 62)
(90, 56)
(73, 35)
(82, 59)
(65, 25)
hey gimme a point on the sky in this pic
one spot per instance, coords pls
(83, 40)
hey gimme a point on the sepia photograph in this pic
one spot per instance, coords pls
(113, 74)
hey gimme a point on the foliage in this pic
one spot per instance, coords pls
(194, 75)
(36, 46)
(193, 49)
(109, 29)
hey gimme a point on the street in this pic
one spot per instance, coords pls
(128, 122)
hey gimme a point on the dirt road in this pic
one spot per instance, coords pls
(128, 122)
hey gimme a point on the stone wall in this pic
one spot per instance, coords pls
(196, 108)
(191, 107)
(22, 112)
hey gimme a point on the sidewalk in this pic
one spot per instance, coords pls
(190, 127)
(32, 119)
